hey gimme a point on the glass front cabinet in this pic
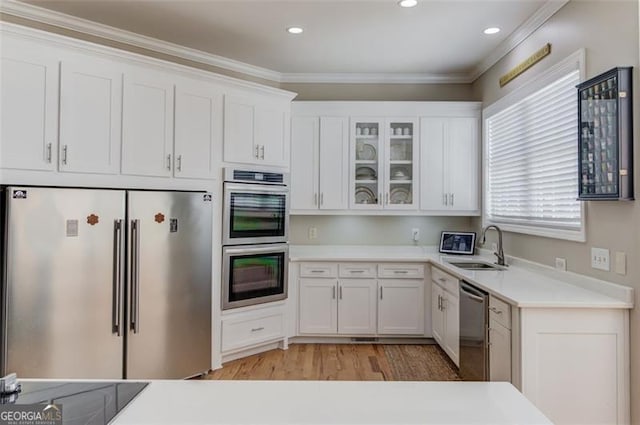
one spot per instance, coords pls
(605, 137)
(383, 169)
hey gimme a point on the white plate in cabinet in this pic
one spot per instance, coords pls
(401, 271)
(355, 270)
(245, 331)
(318, 270)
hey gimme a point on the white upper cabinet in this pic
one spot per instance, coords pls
(256, 131)
(198, 130)
(449, 164)
(90, 116)
(401, 164)
(367, 169)
(147, 135)
(319, 163)
(29, 105)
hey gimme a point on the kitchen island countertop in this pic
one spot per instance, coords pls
(329, 402)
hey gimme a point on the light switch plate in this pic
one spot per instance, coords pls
(600, 259)
(313, 232)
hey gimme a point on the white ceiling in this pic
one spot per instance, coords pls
(437, 38)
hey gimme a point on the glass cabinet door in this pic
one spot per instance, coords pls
(366, 170)
(400, 168)
(605, 131)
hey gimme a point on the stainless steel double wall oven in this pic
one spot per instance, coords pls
(255, 235)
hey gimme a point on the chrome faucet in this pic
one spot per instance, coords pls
(500, 253)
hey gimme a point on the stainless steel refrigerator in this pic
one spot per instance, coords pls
(106, 283)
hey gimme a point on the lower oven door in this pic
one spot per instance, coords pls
(254, 274)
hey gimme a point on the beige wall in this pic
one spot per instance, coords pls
(608, 30)
(389, 92)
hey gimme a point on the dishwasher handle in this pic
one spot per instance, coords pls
(472, 292)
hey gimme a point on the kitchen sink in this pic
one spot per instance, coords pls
(475, 265)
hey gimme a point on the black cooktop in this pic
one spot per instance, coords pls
(83, 403)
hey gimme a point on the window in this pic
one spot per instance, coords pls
(531, 157)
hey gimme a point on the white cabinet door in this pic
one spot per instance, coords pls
(357, 306)
(90, 116)
(28, 106)
(432, 169)
(198, 130)
(318, 307)
(239, 123)
(271, 127)
(499, 352)
(449, 164)
(437, 315)
(401, 164)
(451, 308)
(304, 163)
(462, 164)
(366, 172)
(334, 163)
(401, 306)
(147, 134)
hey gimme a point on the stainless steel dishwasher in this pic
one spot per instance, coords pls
(474, 358)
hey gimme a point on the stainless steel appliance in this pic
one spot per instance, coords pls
(254, 274)
(474, 358)
(106, 283)
(256, 207)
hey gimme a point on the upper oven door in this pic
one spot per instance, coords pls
(255, 213)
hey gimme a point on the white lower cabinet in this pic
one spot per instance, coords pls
(445, 313)
(499, 340)
(352, 299)
(250, 328)
(401, 307)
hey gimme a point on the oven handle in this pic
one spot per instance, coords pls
(256, 249)
(255, 188)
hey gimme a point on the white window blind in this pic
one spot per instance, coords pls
(532, 159)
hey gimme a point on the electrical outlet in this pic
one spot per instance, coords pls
(561, 263)
(600, 258)
(621, 263)
(313, 232)
(415, 234)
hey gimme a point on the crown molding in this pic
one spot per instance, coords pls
(49, 17)
(521, 33)
(375, 78)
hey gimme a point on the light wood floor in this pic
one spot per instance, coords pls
(352, 362)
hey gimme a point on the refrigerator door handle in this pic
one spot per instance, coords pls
(135, 277)
(117, 277)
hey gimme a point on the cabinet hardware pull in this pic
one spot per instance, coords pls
(401, 271)
(261, 328)
(381, 292)
(257, 155)
(49, 153)
(179, 163)
(440, 302)
(386, 196)
(64, 155)
(262, 152)
(169, 162)
(333, 291)
(317, 271)
(315, 198)
(321, 198)
(452, 199)
(356, 271)
(444, 198)
(341, 292)
(442, 279)
(495, 310)
(379, 198)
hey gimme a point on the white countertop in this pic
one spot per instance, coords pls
(522, 284)
(329, 402)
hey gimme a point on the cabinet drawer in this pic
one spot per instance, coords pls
(401, 271)
(243, 332)
(500, 311)
(318, 270)
(446, 281)
(357, 270)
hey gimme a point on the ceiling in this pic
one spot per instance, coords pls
(437, 38)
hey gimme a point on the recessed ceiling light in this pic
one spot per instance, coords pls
(492, 30)
(294, 30)
(408, 3)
